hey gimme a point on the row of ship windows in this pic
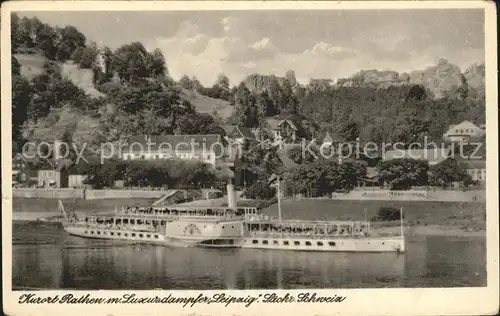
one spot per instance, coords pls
(119, 234)
(296, 243)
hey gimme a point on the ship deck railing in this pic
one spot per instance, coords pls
(166, 211)
(307, 235)
(119, 219)
(293, 222)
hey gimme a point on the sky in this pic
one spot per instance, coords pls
(315, 44)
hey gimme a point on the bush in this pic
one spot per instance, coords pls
(388, 214)
(260, 190)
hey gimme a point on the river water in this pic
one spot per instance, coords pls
(44, 256)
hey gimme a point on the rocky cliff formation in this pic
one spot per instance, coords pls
(257, 83)
(474, 75)
(440, 80)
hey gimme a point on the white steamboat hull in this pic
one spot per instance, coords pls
(375, 244)
(146, 237)
(114, 234)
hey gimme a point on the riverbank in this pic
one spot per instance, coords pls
(33, 208)
(433, 230)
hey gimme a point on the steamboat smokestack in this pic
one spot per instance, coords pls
(231, 195)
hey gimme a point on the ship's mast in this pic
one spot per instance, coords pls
(401, 221)
(279, 197)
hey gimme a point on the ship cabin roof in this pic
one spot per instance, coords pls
(159, 212)
(304, 223)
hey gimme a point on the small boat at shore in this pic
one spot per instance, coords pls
(229, 227)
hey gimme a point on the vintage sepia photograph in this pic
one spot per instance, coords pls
(287, 150)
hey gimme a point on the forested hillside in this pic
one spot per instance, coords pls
(66, 87)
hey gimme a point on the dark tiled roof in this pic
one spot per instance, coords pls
(244, 132)
(228, 128)
(50, 164)
(275, 123)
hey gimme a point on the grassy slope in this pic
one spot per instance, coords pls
(463, 215)
(204, 104)
(81, 78)
(31, 64)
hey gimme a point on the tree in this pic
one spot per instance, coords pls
(132, 61)
(347, 129)
(318, 85)
(16, 67)
(260, 163)
(402, 174)
(288, 102)
(275, 93)
(411, 126)
(157, 65)
(197, 124)
(223, 81)
(21, 94)
(104, 175)
(88, 57)
(265, 106)
(69, 40)
(260, 190)
(298, 156)
(186, 83)
(447, 172)
(45, 41)
(246, 110)
(326, 176)
(197, 84)
(77, 54)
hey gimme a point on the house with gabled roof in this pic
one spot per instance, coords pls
(240, 135)
(53, 173)
(204, 148)
(24, 171)
(465, 132)
(475, 168)
(282, 130)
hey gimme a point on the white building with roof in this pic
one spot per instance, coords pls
(465, 132)
(204, 148)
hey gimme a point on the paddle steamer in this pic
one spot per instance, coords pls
(230, 227)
